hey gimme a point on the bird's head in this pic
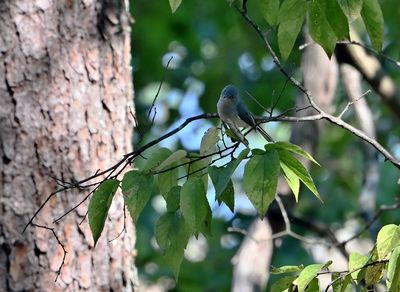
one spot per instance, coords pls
(229, 92)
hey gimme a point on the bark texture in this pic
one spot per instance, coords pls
(65, 88)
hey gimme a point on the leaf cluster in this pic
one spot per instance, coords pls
(188, 211)
(382, 264)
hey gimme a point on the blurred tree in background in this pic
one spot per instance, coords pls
(211, 45)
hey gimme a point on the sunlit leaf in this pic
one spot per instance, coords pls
(136, 188)
(99, 205)
(388, 238)
(393, 271)
(291, 148)
(356, 261)
(174, 4)
(292, 179)
(260, 180)
(308, 274)
(351, 8)
(209, 141)
(295, 165)
(286, 269)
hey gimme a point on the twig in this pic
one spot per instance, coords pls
(158, 91)
(346, 273)
(58, 272)
(382, 209)
(350, 103)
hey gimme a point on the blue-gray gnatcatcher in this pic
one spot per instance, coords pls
(233, 112)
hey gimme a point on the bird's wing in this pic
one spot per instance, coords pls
(247, 117)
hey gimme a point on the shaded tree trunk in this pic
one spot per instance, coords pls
(64, 95)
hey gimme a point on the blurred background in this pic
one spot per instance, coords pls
(211, 45)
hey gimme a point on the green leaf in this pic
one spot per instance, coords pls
(373, 19)
(308, 274)
(319, 27)
(286, 269)
(199, 163)
(270, 11)
(283, 284)
(292, 179)
(374, 273)
(356, 261)
(388, 238)
(260, 180)
(209, 140)
(342, 285)
(228, 196)
(165, 227)
(291, 162)
(351, 8)
(313, 286)
(337, 20)
(173, 198)
(174, 4)
(177, 240)
(194, 204)
(393, 271)
(136, 187)
(291, 18)
(99, 205)
(171, 160)
(291, 148)
(167, 180)
(206, 226)
(221, 176)
(156, 158)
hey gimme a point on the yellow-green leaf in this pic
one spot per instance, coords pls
(174, 4)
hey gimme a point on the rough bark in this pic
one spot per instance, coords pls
(64, 94)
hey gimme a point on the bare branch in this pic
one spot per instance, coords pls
(58, 272)
(350, 103)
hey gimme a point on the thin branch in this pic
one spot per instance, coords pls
(350, 103)
(382, 209)
(346, 273)
(158, 91)
(58, 272)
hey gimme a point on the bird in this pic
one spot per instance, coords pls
(234, 113)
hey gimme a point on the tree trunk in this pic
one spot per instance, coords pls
(64, 112)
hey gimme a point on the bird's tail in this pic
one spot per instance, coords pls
(264, 134)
